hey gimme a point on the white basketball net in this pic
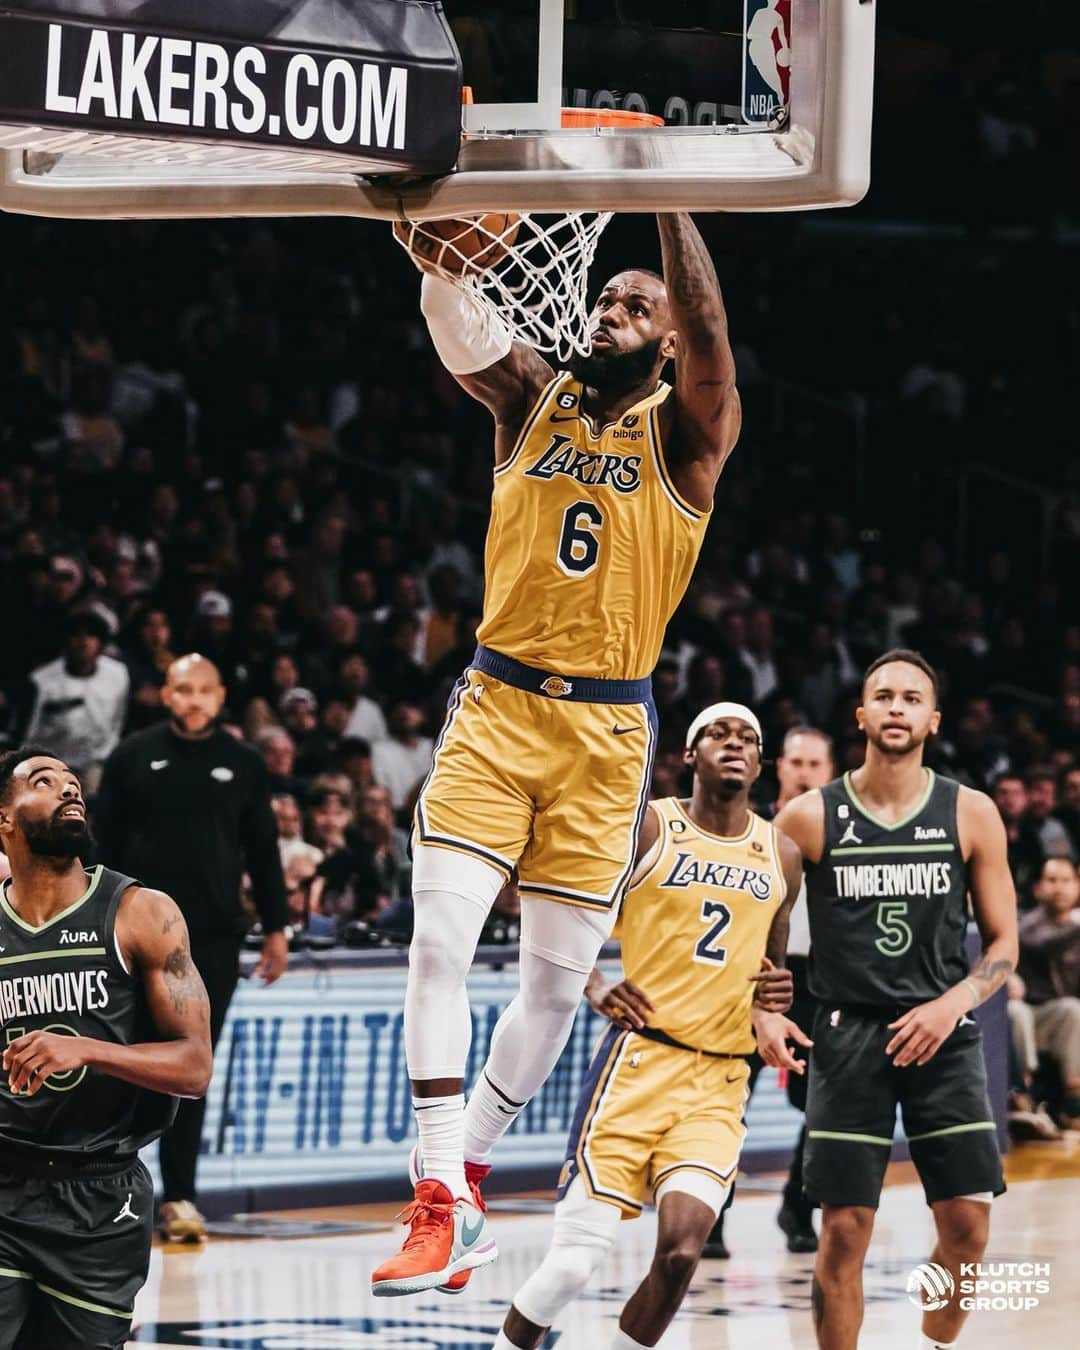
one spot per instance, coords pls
(533, 274)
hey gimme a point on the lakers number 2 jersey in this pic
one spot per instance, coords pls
(590, 546)
(694, 925)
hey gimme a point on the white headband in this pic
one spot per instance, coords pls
(718, 710)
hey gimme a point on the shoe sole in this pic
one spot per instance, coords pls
(183, 1232)
(436, 1279)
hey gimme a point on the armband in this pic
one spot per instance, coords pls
(468, 335)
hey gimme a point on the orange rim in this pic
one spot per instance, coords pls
(594, 117)
(609, 117)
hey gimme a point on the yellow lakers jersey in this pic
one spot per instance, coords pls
(590, 547)
(693, 927)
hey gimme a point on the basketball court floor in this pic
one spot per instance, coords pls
(312, 1293)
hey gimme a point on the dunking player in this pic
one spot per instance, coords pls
(604, 480)
(804, 762)
(891, 853)
(662, 1103)
(102, 1012)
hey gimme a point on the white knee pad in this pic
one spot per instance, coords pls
(441, 869)
(584, 1234)
(709, 1190)
(567, 935)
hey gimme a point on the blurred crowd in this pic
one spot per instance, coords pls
(234, 438)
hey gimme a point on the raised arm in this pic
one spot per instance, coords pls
(153, 937)
(706, 415)
(481, 353)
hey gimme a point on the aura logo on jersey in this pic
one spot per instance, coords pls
(622, 472)
(687, 870)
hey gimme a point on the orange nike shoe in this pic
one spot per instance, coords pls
(474, 1175)
(447, 1236)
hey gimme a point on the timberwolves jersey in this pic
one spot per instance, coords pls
(65, 977)
(590, 547)
(693, 927)
(887, 903)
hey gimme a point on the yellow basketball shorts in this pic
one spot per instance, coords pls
(544, 778)
(647, 1111)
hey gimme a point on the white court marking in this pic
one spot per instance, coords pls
(313, 1294)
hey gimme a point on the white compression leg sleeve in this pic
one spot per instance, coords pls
(452, 895)
(585, 1231)
(559, 945)
(451, 899)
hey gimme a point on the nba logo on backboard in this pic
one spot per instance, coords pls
(766, 59)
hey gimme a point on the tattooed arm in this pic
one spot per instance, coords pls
(705, 410)
(993, 895)
(154, 939)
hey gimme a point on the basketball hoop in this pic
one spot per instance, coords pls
(534, 268)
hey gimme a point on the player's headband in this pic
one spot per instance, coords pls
(717, 711)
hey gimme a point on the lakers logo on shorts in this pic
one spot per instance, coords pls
(557, 687)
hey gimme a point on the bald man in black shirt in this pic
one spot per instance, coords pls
(186, 807)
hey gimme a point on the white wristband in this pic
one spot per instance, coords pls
(467, 334)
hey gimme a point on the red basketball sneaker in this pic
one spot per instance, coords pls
(474, 1175)
(447, 1236)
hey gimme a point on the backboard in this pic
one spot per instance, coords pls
(766, 104)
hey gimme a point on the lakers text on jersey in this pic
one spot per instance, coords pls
(545, 757)
(693, 926)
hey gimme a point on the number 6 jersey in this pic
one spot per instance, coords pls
(887, 903)
(694, 925)
(590, 546)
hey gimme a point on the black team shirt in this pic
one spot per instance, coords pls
(189, 818)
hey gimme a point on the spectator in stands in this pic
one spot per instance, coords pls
(148, 655)
(388, 845)
(1069, 809)
(440, 621)
(366, 718)
(299, 712)
(329, 642)
(290, 830)
(1024, 845)
(80, 700)
(278, 752)
(350, 883)
(396, 667)
(401, 762)
(303, 888)
(1047, 1019)
(354, 761)
(1054, 838)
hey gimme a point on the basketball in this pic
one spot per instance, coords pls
(460, 244)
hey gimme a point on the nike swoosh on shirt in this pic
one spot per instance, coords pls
(621, 731)
(569, 417)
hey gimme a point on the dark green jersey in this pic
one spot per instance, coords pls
(67, 977)
(887, 903)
